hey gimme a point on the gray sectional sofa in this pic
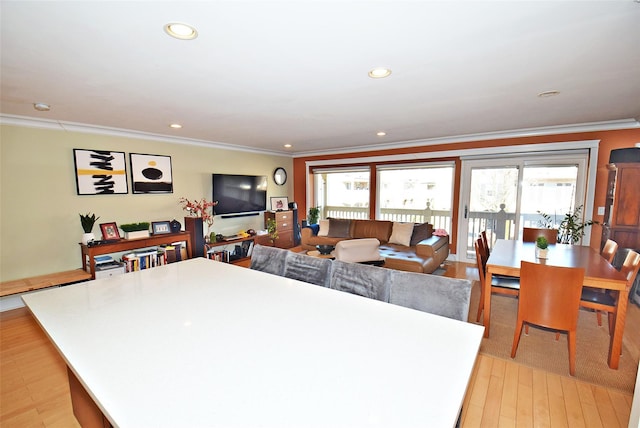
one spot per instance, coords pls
(438, 295)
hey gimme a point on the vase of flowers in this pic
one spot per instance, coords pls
(200, 214)
(87, 221)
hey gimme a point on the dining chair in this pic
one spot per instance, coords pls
(549, 298)
(499, 284)
(608, 252)
(530, 234)
(608, 301)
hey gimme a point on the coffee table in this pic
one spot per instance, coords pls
(316, 253)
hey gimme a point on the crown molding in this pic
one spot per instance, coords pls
(612, 125)
(60, 125)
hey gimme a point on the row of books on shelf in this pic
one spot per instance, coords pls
(240, 251)
(141, 259)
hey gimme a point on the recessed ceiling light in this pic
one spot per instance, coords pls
(547, 94)
(180, 31)
(175, 126)
(381, 133)
(379, 72)
(288, 146)
(41, 106)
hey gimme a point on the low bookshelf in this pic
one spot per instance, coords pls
(227, 250)
(90, 252)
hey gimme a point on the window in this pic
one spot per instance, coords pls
(416, 193)
(342, 193)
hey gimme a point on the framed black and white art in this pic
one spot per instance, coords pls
(151, 173)
(100, 172)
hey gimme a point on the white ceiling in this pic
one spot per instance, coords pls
(265, 73)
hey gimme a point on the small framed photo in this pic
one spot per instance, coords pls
(279, 203)
(109, 231)
(160, 227)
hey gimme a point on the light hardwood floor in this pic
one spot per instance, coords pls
(34, 391)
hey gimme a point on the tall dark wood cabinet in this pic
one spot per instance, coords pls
(284, 226)
(622, 207)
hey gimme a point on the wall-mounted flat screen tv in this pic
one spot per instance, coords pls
(238, 194)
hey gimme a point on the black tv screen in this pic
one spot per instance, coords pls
(239, 193)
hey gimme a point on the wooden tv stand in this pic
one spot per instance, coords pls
(130, 244)
(244, 261)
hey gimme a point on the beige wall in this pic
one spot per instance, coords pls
(39, 224)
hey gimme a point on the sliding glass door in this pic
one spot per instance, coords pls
(501, 196)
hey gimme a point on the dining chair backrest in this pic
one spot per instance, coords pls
(530, 234)
(481, 260)
(550, 295)
(630, 267)
(485, 242)
(609, 250)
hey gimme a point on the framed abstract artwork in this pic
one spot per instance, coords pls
(100, 172)
(151, 173)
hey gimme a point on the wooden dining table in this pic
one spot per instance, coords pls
(505, 259)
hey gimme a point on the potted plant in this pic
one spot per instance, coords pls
(571, 229)
(542, 249)
(271, 230)
(87, 221)
(312, 217)
(135, 230)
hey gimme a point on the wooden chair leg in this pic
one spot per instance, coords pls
(599, 318)
(571, 339)
(480, 304)
(516, 338)
(526, 329)
(557, 336)
(612, 322)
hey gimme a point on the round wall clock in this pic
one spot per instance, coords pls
(280, 176)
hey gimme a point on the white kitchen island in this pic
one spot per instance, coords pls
(201, 343)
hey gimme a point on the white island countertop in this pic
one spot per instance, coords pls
(207, 344)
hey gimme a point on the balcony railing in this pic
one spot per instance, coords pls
(441, 219)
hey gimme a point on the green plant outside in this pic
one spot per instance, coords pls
(312, 217)
(571, 229)
(134, 227)
(87, 221)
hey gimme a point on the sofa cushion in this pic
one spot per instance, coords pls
(363, 280)
(339, 228)
(420, 231)
(314, 227)
(379, 229)
(401, 233)
(324, 228)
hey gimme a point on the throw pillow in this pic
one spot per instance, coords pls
(420, 231)
(339, 228)
(401, 234)
(324, 228)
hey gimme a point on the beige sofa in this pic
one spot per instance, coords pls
(425, 254)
